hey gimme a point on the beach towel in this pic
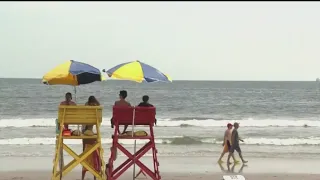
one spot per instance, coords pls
(93, 159)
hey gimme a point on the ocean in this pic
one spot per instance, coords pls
(277, 119)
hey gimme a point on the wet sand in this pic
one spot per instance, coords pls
(175, 168)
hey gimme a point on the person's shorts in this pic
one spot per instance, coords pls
(233, 148)
(227, 147)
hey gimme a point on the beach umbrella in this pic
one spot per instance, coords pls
(72, 73)
(138, 72)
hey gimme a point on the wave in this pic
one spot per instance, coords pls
(48, 122)
(182, 140)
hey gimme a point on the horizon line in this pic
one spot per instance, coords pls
(187, 80)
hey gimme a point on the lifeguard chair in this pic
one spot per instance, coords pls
(142, 116)
(78, 115)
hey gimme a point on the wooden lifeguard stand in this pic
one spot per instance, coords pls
(141, 116)
(78, 115)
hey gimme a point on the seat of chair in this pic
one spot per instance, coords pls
(133, 137)
(79, 137)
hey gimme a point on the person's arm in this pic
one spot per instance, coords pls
(240, 139)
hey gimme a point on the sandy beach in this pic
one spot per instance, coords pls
(43, 175)
(178, 168)
(201, 65)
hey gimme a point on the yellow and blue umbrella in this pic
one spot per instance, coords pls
(72, 73)
(137, 71)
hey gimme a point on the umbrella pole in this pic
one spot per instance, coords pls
(75, 93)
(75, 100)
(134, 148)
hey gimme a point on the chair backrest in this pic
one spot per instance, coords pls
(80, 114)
(144, 115)
(122, 115)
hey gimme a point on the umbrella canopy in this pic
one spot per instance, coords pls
(137, 71)
(72, 73)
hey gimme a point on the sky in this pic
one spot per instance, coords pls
(186, 40)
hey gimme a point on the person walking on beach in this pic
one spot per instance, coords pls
(235, 145)
(227, 143)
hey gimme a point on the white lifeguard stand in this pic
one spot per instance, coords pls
(233, 177)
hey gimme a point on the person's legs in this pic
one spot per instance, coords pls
(83, 174)
(234, 159)
(111, 122)
(140, 173)
(240, 154)
(222, 154)
(230, 154)
(224, 151)
(125, 129)
(107, 171)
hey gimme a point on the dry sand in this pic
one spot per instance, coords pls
(45, 175)
(175, 168)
